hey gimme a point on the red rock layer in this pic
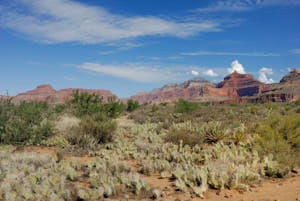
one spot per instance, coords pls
(50, 95)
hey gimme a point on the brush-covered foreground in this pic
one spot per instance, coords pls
(118, 151)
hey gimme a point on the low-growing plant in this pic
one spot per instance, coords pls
(280, 136)
(184, 106)
(132, 105)
(27, 123)
(184, 136)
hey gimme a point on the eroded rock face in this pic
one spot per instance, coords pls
(287, 90)
(189, 90)
(240, 85)
(234, 86)
(50, 95)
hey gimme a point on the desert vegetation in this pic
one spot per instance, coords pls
(96, 149)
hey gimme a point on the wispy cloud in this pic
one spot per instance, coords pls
(295, 51)
(174, 57)
(244, 5)
(133, 71)
(70, 78)
(151, 72)
(251, 54)
(59, 21)
(108, 52)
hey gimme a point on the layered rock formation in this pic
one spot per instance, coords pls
(190, 90)
(287, 90)
(50, 95)
(234, 86)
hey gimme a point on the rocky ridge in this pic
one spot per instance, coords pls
(235, 88)
(50, 95)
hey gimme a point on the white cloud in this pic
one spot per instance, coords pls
(107, 52)
(174, 58)
(58, 21)
(244, 5)
(263, 72)
(295, 51)
(134, 71)
(210, 73)
(236, 66)
(250, 54)
(195, 73)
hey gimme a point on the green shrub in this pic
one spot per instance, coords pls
(132, 105)
(6, 111)
(114, 108)
(184, 106)
(99, 126)
(27, 124)
(154, 108)
(280, 137)
(92, 130)
(184, 136)
(297, 103)
(233, 105)
(85, 104)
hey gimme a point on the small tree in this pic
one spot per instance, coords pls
(132, 105)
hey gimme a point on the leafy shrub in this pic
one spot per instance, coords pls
(233, 105)
(27, 124)
(154, 108)
(280, 137)
(6, 110)
(85, 103)
(184, 136)
(99, 126)
(297, 103)
(184, 106)
(132, 105)
(114, 108)
(92, 130)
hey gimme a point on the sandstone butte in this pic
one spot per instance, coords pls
(50, 95)
(235, 88)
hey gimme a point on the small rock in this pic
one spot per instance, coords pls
(226, 195)
(156, 193)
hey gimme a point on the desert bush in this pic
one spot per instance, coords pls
(184, 136)
(85, 104)
(154, 108)
(99, 126)
(184, 106)
(6, 110)
(114, 108)
(92, 130)
(280, 137)
(27, 124)
(132, 105)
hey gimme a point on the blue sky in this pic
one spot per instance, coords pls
(133, 45)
